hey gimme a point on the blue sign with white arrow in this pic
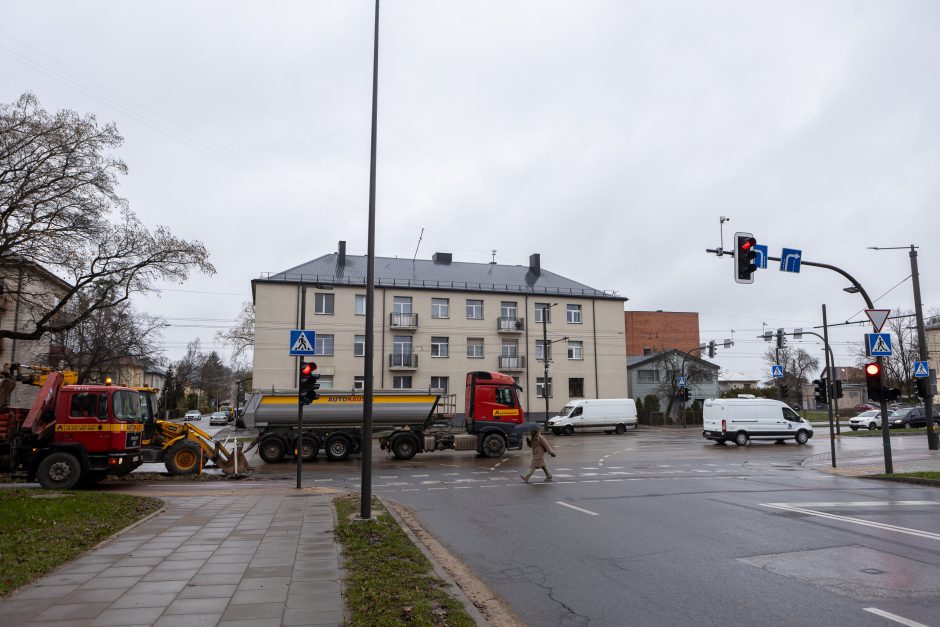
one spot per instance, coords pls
(921, 369)
(776, 371)
(790, 260)
(760, 256)
(303, 343)
(879, 344)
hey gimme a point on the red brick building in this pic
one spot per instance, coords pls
(653, 331)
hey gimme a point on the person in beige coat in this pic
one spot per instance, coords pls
(539, 446)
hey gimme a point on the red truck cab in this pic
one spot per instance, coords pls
(78, 434)
(492, 406)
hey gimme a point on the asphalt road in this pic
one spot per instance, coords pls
(659, 527)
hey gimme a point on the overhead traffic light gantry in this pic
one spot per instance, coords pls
(745, 257)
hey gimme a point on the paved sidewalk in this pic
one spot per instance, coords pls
(231, 560)
(872, 462)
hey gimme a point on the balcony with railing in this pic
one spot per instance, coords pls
(406, 361)
(403, 321)
(510, 325)
(515, 362)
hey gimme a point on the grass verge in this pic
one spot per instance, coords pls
(42, 529)
(921, 474)
(865, 433)
(390, 582)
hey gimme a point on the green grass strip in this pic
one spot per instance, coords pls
(390, 582)
(42, 529)
(920, 474)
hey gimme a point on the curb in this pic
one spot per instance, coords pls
(482, 603)
(913, 480)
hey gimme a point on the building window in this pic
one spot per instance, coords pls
(440, 383)
(475, 347)
(401, 382)
(508, 309)
(543, 311)
(575, 349)
(359, 384)
(540, 351)
(440, 308)
(574, 314)
(510, 348)
(439, 346)
(401, 345)
(647, 376)
(324, 344)
(402, 305)
(540, 385)
(323, 304)
(325, 381)
(576, 388)
(360, 304)
(474, 309)
(359, 346)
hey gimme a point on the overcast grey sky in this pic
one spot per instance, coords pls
(608, 136)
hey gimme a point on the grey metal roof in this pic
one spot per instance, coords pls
(427, 274)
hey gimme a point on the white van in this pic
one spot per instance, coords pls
(741, 419)
(610, 415)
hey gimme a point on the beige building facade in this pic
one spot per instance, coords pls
(27, 292)
(436, 320)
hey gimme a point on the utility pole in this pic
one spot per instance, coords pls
(545, 357)
(932, 439)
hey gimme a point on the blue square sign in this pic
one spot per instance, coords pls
(303, 343)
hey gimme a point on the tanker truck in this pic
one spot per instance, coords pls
(406, 422)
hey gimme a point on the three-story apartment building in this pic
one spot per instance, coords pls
(435, 320)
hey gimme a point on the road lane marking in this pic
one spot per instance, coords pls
(859, 503)
(857, 521)
(894, 617)
(586, 511)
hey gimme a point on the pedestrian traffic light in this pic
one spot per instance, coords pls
(873, 381)
(784, 389)
(822, 395)
(781, 338)
(837, 389)
(711, 349)
(744, 257)
(308, 383)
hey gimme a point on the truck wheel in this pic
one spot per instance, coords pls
(619, 429)
(568, 429)
(183, 458)
(338, 447)
(309, 448)
(802, 437)
(493, 445)
(272, 449)
(404, 446)
(740, 438)
(59, 471)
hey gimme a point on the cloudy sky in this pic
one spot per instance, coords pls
(608, 136)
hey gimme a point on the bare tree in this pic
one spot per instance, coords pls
(108, 339)
(59, 209)
(241, 337)
(797, 366)
(670, 364)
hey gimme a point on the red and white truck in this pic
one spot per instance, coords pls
(71, 435)
(406, 422)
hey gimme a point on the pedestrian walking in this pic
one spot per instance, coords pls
(539, 445)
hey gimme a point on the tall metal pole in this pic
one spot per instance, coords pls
(932, 439)
(298, 445)
(365, 509)
(829, 368)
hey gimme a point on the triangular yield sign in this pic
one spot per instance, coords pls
(877, 317)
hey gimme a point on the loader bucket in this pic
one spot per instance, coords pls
(232, 463)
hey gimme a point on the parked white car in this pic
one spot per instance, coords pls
(192, 414)
(870, 420)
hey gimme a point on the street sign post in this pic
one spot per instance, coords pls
(776, 371)
(879, 344)
(303, 343)
(790, 260)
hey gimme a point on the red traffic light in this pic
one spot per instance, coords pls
(748, 244)
(307, 368)
(872, 370)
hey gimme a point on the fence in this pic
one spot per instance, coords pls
(693, 417)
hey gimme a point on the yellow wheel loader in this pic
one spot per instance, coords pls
(183, 447)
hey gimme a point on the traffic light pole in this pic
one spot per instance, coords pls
(932, 440)
(300, 401)
(889, 466)
(829, 393)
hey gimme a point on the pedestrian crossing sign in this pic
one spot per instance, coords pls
(776, 371)
(303, 342)
(921, 369)
(879, 344)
